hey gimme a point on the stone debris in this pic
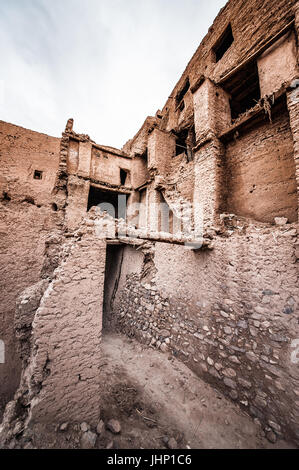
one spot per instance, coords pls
(100, 428)
(110, 445)
(64, 426)
(280, 220)
(88, 440)
(172, 443)
(113, 426)
(271, 436)
(84, 427)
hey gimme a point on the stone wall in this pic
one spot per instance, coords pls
(230, 314)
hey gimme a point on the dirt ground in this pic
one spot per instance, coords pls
(157, 400)
(140, 381)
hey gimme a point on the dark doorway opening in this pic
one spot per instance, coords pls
(114, 260)
(123, 177)
(144, 156)
(113, 202)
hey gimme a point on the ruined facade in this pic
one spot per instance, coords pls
(215, 283)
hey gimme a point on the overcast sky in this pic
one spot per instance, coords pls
(106, 63)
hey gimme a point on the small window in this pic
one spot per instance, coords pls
(182, 93)
(185, 141)
(5, 197)
(224, 43)
(181, 144)
(38, 175)
(123, 177)
(144, 156)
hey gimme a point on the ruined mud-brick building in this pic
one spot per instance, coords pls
(227, 141)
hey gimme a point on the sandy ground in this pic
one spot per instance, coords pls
(154, 397)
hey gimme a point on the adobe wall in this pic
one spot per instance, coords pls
(61, 376)
(106, 167)
(96, 163)
(260, 167)
(22, 152)
(277, 62)
(230, 314)
(26, 218)
(140, 173)
(88, 163)
(67, 328)
(253, 24)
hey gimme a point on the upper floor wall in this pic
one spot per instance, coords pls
(236, 80)
(29, 163)
(102, 164)
(239, 32)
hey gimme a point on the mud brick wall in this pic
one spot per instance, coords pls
(106, 167)
(26, 217)
(261, 179)
(61, 381)
(253, 24)
(208, 182)
(24, 230)
(140, 173)
(181, 177)
(230, 314)
(98, 164)
(22, 152)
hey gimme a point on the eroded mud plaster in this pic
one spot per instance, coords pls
(222, 157)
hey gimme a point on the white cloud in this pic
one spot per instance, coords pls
(106, 63)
